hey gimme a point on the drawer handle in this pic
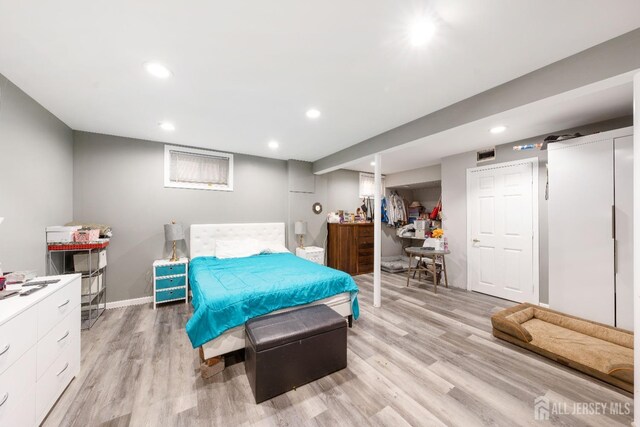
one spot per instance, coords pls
(5, 349)
(66, 365)
(63, 337)
(64, 303)
(4, 399)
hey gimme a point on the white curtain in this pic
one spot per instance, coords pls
(196, 168)
(367, 185)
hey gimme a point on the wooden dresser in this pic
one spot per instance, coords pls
(350, 247)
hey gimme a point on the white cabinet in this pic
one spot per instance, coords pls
(39, 350)
(311, 253)
(590, 199)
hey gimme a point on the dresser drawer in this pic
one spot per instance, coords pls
(171, 282)
(18, 391)
(17, 336)
(365, 231)
(169, 295)
(169, 270)
(52, 345)
(57, 306)
(56, 378)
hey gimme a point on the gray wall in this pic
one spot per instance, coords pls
(36, 154)
(338, 190)
(454, 200)
(119, 181)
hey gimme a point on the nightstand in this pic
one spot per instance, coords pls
(311, 253)
(170, 281)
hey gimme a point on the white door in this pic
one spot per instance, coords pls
(581, 245)
(502, 230)
(623, 148)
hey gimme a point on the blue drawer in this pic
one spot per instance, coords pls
(170, 270)
(171, 282)
(169, 295)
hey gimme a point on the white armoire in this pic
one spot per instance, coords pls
(591, 227)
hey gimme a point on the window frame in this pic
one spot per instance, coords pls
(193, 185)
(382, 182)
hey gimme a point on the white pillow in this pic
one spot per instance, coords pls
(237, 248)
(272, 247)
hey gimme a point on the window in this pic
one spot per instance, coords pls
(367, 185)
(197, 169)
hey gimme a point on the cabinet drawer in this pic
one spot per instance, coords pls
(169, 270)
(17, 336)
(57, 306)
(365, 231)
(17, 392)
(63, 335)
(317, 257)
(365, 268)
(171, 282)
(169, 295)
(56, 378)
(368, 259)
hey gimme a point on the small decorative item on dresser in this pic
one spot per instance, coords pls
(311, 253)
(170, 281)
(172, 233)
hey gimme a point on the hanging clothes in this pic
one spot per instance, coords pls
(396, 210)
(383, 214)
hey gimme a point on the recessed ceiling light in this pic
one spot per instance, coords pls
(167, 126)
(372, 163)
(273, 145)
(421, 31)
(157, 70)
(498, 129)
(313, 113)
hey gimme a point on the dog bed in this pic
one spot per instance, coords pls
(599, 350)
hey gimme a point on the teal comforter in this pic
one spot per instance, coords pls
(228, 292)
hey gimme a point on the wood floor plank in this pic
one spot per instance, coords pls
(420, 359)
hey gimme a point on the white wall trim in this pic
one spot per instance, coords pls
(536, 220)
(129, 302)
(543, 305)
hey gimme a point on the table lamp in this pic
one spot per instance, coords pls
(301, 230)
(172, 233)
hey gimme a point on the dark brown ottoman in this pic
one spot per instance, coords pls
(286, 350)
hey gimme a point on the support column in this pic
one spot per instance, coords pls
(636, 245)
(377, 231)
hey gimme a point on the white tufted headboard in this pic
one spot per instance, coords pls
(204, 236)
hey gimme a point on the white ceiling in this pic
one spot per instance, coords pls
(598, 102)
(245, 72)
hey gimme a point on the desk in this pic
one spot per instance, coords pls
(431, 268)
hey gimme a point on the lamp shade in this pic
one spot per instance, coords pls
(173, 232)
(301, 227)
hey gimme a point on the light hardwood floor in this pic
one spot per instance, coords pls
(421, 359)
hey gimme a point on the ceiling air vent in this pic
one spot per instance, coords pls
(486, 155)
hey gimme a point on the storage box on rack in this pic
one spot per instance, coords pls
(81, 261)
(86, 235)
(61, 234)
(92, 285)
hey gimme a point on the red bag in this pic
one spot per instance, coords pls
(436, 210)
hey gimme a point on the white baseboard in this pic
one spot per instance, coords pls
(543, 305)
(129, 302)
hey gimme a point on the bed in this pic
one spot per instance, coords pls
(227, 292)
